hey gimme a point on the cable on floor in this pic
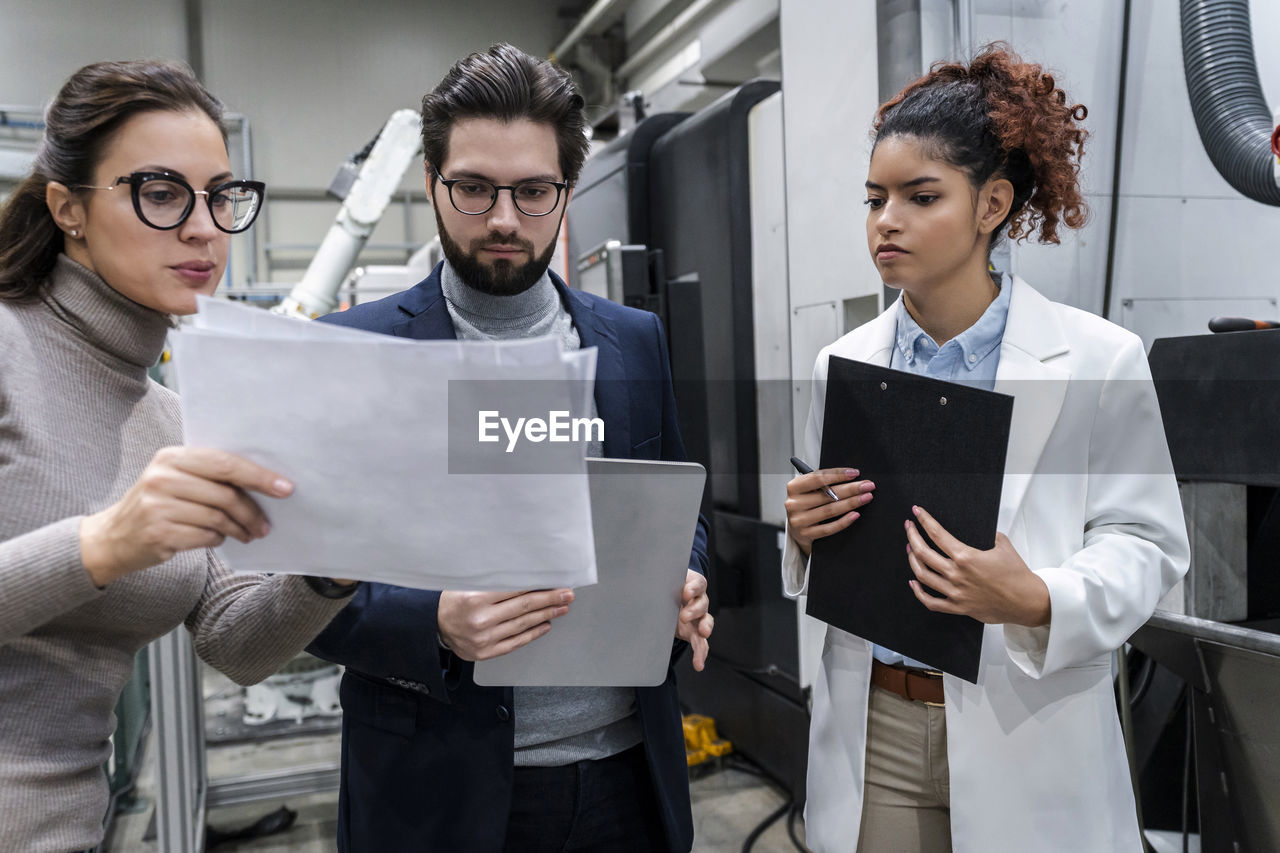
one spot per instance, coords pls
(790, 808)
(764, 825)
(796, 810)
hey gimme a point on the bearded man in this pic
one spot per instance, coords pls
(430, 760)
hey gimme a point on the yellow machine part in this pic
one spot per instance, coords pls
(701, 742)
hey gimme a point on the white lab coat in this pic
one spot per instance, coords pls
(1090, 503)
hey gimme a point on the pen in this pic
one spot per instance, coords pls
(799, 465)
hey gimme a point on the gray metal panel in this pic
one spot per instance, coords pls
(1235, 675)
(829, 84)
(700, 188)
(177, 712)
(1216, 585)
(899, 43)
(770, 305)
(289, 782)
(1246, 693)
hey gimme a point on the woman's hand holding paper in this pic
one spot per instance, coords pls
(187, 497)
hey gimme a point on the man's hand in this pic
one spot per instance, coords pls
(994, 587)
(695, 623)
(483, 625)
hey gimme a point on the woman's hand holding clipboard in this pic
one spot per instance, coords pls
(820, 503)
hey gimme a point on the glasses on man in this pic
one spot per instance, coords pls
(474, 196)
(164, 201)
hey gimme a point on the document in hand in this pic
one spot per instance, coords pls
(618, 633)
(938, 445)
(381, 437)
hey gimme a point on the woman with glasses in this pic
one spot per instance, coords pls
(107, 524)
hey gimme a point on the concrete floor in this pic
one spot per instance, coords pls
(728, 803)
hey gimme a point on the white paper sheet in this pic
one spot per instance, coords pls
(360, 423)
(245, 321)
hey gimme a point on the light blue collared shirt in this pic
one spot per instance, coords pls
(970, 358)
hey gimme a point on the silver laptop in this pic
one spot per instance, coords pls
(618, 633)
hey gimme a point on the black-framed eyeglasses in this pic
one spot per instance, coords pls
(474, 196)
(164, 201)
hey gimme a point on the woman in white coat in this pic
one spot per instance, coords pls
(1090, 525)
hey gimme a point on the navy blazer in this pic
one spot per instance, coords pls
(427, 754)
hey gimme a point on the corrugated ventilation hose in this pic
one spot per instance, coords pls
(1226, 96)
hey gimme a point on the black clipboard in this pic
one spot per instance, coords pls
(922, 441)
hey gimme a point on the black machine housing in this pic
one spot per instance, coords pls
(680, 187)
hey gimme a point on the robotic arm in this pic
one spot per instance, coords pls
(364, 205)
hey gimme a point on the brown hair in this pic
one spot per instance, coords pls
(88, 110)
(1003, 117)
(507, 84)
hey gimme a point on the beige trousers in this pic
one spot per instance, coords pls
(906, 804)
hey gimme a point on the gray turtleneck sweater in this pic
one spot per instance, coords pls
(553, 725)
(79, 420)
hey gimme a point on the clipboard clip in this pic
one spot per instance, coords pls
(884, 386)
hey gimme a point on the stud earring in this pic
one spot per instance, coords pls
(75, 233)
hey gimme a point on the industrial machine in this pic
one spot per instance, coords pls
(1203, 718)
(1202, 722)
(690, 210)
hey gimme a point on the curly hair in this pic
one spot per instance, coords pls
(999, 116)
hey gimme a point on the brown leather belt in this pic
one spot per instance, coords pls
(915, 685)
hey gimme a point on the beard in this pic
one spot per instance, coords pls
(502, 278)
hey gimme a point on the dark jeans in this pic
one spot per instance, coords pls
(604, 806)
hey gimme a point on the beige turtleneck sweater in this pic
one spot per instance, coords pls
(79, 420)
